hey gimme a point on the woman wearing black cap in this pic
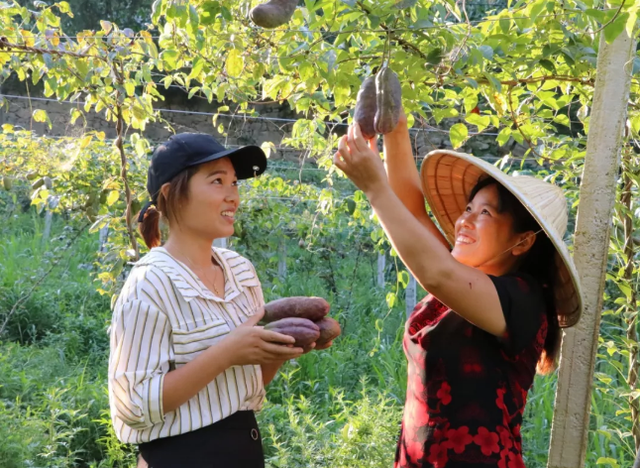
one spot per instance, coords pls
(188, 366)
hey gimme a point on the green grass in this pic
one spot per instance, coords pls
(337, 408)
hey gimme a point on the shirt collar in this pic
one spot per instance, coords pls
(186, 281)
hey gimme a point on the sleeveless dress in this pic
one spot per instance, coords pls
(466, 388)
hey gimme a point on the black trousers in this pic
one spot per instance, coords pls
(233, 442)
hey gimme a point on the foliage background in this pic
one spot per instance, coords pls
(523, 71)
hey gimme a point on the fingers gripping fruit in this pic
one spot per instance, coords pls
(388, 101)
(274, 13)
(311, 308)
(303, 330)
(329, 330)
(366, 106)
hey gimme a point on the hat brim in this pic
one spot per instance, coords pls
(448, 178)
(248, 161)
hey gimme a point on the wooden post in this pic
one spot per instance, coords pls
(52, 203)
(48, 219)
(597, 197)
(382, 263)
(282, 259)
(636, 463)
(410, 295)
(104, 236)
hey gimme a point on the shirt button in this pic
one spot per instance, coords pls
(254, 434)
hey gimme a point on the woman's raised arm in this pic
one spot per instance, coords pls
(403, 175)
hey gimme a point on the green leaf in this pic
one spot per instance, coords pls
(607, 461)
(170, 58)
(341, 93)
(235, 63)
(75, 114)
(481, 121)
(391, 299)
(193, 91)
(635, 124)
(503, 136)
(403, 278)
(434, 57)
(267, 147)
(470, 101)
(41, 115)
(505, 25)
(548, 64)
(446, 113)
(194, 21)
(604, 378)
(626, 290)
(562, 119)
(494, 82)
(473, 83)
(536, 9)
(458, 134)
(351, 206)
(599, 15)
(63, 7)
(198, 65)
(487, 51)
(613, 30)
(130, 88)
(112, 197)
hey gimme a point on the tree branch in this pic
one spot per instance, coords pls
(5, 44)
(123, 166)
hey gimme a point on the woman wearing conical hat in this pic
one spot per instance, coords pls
(501, 284)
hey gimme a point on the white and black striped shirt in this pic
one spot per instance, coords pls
(163, 318)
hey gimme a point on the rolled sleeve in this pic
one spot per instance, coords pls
(141, 353)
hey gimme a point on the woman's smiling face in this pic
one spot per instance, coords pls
(210, 207)
(485, 236)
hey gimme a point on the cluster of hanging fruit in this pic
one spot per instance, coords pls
(379, 100)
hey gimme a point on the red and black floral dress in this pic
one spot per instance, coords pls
(466, 388)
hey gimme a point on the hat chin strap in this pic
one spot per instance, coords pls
(509, 249)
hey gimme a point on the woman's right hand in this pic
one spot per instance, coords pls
(251, 344)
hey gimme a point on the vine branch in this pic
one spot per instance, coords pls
(119, 143)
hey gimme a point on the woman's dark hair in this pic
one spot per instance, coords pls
(538, 262)
(168, 207)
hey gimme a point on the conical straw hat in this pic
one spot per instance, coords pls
(447, 180)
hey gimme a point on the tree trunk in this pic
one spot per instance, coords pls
(597, 197)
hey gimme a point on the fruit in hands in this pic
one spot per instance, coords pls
(329, 330)
(303, 330)
(311, 308)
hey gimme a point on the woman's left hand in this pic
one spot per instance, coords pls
(360, 160)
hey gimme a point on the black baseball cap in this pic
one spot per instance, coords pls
(186, 150)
